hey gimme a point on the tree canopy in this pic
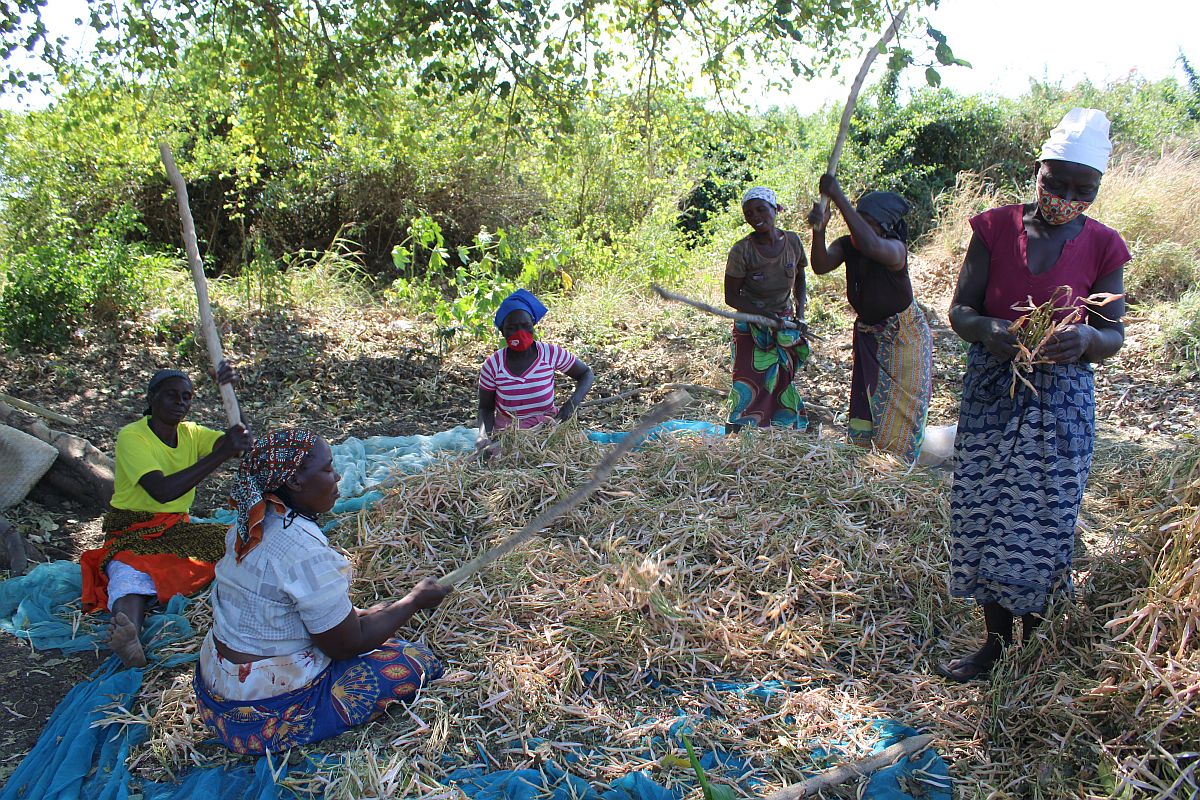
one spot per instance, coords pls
(286, 53)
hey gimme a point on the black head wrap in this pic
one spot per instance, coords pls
(888, 209)
(158, 379)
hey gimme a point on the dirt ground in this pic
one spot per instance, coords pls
(361, 372)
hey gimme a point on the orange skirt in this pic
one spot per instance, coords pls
(178, 554)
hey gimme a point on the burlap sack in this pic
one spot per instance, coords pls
(24, 459)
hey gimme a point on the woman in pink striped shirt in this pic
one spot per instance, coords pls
(516, 383)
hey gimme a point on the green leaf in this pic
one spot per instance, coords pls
(944, 54)
(711, 791)
(932, 77)
(721, 791)
(701, 778)
(401, 257)
(899, 59)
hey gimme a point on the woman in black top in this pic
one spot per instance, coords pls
(893, 348)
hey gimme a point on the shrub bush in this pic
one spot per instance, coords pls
(1180, 334)
(52, 288)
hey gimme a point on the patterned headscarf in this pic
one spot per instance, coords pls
(266, 466)
(520, 300)
(761, 193)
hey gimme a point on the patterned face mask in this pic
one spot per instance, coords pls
(1057, 211)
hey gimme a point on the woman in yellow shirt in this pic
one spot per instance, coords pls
(151, 548)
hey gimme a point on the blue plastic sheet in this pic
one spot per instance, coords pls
(924, 778)
(692, 426)
(77, 760)
(556, 784)
(229, 783)
(72, 759)
(927, 777)
(366, 463)
(43, 608)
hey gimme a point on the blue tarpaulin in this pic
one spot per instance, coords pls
(690, 426)
(75, 761)
(43, 608)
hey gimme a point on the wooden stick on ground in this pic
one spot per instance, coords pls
(656, 416)
(34, 408)
(855, 88)
(737, 316)
(855, 769)
(614, 398)
(695, 388)
(211, 337)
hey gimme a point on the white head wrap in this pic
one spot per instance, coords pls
(760, 193)
(1082, 137)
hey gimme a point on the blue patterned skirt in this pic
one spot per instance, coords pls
(1023, 462)
(346, 694)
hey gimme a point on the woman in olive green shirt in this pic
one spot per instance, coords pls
(764, 275)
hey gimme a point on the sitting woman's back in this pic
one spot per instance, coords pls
(290, 660)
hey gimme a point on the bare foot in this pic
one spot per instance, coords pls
(124, 640)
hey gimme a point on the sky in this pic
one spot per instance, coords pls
(1008, 42)
(1011, 42)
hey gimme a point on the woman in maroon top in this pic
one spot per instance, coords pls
(1024, 457)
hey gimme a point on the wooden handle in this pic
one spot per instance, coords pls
(855, 769)
(737, 316)
(656, 416)
(211, 338)
(852, 100)
(34, 408)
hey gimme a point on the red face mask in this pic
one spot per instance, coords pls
(520, 341)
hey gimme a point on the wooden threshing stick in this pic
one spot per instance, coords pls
(855, 88)
(842, 773)
(656, 416)
(737, 316)
(34, 408)
(211, 338)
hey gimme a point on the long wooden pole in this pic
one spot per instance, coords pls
(855, 88)
(34, 408)
(211, 338)
(737, 316)
(656, 416)
(855, 769)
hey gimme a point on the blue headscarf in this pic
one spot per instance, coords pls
(520, 300)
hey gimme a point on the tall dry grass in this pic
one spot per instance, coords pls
(945, 244)
(1152, 201)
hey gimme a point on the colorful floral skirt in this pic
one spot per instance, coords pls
(765, 362)
(891, 383)
(344, 695)
(1023, 462)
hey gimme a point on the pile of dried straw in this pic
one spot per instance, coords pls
(766, 557)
